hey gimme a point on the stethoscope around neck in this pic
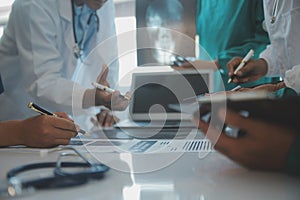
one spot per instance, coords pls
(78, 49)
(274, 12)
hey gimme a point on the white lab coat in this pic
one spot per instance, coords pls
(283, 55)
(37, 61)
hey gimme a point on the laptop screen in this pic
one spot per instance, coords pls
(154, 92)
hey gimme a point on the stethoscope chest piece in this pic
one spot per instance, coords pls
(77, 51)
(273, 19)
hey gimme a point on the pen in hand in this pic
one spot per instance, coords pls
(242, 64)
(236, 88)
(107, 89)
(42, 111)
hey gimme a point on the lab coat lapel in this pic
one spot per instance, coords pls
(65, 11)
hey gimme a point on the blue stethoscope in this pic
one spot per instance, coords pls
(61, 177)
(274, 12)
(78, 50)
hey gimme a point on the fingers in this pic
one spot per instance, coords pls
(233, 64)
(118, 102)
(252, 70)
(127, 96)
(67, 128)
(63, 115)
(109, 121)
(220, 141)
(113, 101)
(103, 75)
(244, 74)
(238, 121)
(102, 117)
(106, 118)
(65, 133)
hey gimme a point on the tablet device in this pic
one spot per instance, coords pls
(153, 92)
(262, 106)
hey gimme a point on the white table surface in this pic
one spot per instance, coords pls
(188, 177)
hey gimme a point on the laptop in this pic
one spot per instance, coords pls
(153, 92)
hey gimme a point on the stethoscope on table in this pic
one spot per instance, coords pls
(61, 178)
(78, 50)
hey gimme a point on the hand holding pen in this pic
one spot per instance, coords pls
(109, 90)
(241, 65)
(42, 111)
(107, 96)
(242, 70)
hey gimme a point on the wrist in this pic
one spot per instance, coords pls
(280, 85)
(89, 98)
(21, 132)
(95, 97)
(12, 133)
(263, 66)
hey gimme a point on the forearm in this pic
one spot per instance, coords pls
(10, 133)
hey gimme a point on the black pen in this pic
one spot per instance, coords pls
(42, 111)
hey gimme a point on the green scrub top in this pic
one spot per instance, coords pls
(230, 28)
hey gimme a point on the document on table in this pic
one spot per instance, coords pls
(149, 146)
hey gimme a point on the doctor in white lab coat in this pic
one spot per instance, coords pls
(37, 56)
(282, 56)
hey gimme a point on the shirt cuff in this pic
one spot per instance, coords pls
(267, 56)
(292, 78)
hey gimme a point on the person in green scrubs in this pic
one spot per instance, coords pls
(230, 28)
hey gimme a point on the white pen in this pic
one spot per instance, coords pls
(236, 88)
(242, 64)
(107, 89)
(103, 87)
